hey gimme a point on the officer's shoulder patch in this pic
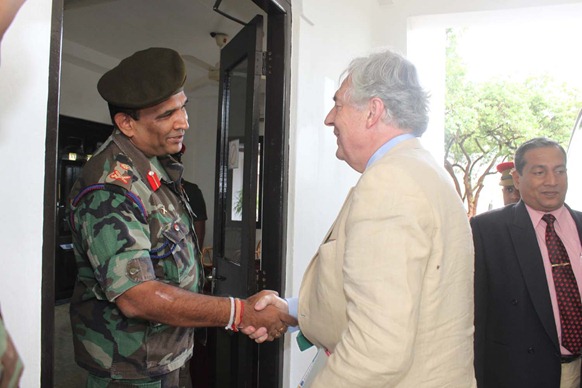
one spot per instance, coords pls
(121, 172)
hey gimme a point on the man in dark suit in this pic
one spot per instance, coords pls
(523, 330)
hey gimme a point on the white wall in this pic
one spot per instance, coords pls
(23, 115)
(392, 22)
(79, 96)
(327, 34)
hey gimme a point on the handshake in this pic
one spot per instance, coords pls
(264, 316)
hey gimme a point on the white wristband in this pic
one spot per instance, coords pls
(231, 319)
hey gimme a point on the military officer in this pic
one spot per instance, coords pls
(510, 193)
(136, 297)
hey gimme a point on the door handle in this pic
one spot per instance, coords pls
(212, 278)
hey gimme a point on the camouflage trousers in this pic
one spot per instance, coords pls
(180, 378)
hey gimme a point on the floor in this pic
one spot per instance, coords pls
(67, 374)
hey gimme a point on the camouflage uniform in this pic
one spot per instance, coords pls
(126, 233)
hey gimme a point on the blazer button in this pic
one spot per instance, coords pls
(514, 302)
(531, 350)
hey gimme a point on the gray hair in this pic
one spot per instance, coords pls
(538, 142)
(393, 79)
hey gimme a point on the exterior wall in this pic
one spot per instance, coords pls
(323, 44)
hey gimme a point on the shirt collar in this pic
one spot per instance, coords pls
(536, 215)
(388, 146)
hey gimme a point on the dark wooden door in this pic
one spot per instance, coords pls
(236, 199)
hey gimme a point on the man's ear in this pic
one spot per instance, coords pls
(375, 111)
(124, 122)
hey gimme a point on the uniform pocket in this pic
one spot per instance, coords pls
(173, 254)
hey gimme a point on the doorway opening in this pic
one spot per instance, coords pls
(95, 37)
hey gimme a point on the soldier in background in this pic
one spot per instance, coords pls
(510, 193)
(196, 202)
(198, 205)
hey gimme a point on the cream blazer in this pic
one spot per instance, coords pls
(390, 291)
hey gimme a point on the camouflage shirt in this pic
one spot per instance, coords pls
(128, 229)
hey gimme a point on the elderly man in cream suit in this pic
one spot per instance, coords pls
(389, 293)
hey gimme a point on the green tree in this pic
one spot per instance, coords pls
(485, 122)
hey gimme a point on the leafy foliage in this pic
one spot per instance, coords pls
(486, 122)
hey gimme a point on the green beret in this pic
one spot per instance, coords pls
(144, 79)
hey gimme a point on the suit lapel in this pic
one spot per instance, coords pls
(577, 216)
(532, 266)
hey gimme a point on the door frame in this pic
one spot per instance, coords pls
(50, 221)
(275, 173)
(275, 177)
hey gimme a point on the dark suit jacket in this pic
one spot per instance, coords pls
(516, 342)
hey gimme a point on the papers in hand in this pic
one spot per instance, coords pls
(313, 369)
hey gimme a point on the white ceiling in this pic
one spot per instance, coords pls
(97, 34)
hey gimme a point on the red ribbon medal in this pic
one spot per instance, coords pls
(153, 180)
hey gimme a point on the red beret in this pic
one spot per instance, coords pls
(505, 166)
